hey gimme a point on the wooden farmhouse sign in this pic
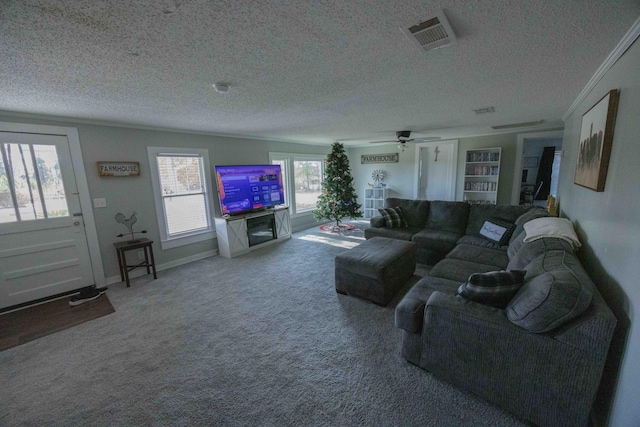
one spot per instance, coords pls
(379, 158)
(119, 168)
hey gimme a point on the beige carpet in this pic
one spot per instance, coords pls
(259, 340)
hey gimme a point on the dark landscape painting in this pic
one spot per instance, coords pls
(596, 137)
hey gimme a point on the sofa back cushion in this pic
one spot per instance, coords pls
(516, 243)
(556, 289)
(448, 216)
(529, 215)
(414, 211)
(478, 214)
(527, 252)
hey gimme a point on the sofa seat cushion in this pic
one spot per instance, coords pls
(439, 240)
(458, 270)
(480, 241)
(480, 255)
(393, 233)
(532, 250)
(556, 290)
(409, 312)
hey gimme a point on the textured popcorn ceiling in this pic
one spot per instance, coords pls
(303, 71)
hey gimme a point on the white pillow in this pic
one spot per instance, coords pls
(561, 228)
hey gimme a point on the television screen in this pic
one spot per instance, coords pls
(244, 188)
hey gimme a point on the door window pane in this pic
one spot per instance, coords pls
(30, 183)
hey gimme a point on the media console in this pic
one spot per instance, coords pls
(239, 234)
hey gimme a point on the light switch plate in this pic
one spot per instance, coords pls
(99, 203)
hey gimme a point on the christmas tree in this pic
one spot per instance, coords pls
(338, 198)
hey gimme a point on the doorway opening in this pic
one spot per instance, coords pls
(435, 170)
(537, 166)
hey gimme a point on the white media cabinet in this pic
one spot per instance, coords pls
(233, 232)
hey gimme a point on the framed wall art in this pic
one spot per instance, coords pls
(596, 138)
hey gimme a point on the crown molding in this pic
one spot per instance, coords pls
(613, 57)
(70, 121)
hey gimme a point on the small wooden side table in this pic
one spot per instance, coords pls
(149, 262)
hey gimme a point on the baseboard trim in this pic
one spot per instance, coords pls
(175, 263)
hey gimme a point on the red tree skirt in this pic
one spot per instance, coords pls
(332, 228)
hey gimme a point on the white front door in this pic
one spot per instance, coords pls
(43, 245)
(436, 170)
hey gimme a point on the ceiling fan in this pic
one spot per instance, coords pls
(403, 137)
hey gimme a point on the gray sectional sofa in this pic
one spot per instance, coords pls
(542, 355)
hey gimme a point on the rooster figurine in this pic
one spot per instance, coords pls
(128, 222)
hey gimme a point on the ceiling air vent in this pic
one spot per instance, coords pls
(431, 34)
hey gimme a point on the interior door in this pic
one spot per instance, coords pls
(43, 245)
(436, 171)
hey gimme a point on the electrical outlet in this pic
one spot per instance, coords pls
(140, 255)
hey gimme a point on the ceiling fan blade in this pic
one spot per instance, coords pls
(384, 142)
(426, 139)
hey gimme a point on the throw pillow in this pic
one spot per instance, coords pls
(495, 288)
(498, 230)
(393, 217)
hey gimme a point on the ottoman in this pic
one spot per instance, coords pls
(376, 269)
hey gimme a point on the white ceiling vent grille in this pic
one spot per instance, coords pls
(431, 34)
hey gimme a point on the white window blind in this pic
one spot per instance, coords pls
(184, 196)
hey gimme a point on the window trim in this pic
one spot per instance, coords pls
(290, 159)
(209, 233)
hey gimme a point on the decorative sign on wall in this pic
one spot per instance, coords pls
(379, 158)
(119, 168)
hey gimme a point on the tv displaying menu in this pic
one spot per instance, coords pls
(247, 188)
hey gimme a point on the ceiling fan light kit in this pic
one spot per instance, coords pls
(221, 87)
(404, 136)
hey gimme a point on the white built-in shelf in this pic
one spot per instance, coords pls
(482, 173)
(374, 198)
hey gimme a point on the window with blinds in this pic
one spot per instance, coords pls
(184, 193)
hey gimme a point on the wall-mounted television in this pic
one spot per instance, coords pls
(247, 188)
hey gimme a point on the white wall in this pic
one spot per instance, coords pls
(128, 194)
(399, 176)
(401, 180)
(608, 224)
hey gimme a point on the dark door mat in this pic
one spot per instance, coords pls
(31, 323)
